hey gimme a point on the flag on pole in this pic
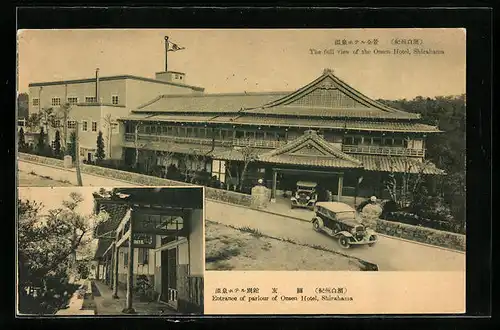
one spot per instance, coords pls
(173, 47)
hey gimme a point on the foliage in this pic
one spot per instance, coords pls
(48, 242)
(40, 145)
(34, 120)
(447, 150)
(72, 145)
(99, 155)
(57, 144)
(21, 142)
(144, 288)
(22, 105)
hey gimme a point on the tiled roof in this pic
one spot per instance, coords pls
(329, 96)
(312, 150)
(234, 154)
(214, 103)
(102, 245)
(330, 112)
(260, 120)
(116, 214)
(309, 161)
(183, 148)
(398, 164)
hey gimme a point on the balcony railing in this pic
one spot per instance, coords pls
(273, 144)
(387, 151)
(258, 143)
(130, 137)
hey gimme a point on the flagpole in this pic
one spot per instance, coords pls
(166, 53)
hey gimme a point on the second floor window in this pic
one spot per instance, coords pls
(85, 126)
(36, 102)
(71, 124)
(90, 99)
(56, 101)
(94, 126)
(114, 99)
(72, 100)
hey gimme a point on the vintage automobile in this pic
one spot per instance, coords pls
(305, 195)
(341, 221)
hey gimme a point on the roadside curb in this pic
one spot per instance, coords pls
(72, 170)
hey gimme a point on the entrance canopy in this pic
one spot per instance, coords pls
(310, 150)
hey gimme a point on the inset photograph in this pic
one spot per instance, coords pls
(110, 251)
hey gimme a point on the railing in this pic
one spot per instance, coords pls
(130, 137)
(258, 143)
(273, 144)
(387, 151)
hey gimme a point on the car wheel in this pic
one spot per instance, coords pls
(372, 238)
(344, 242)
(316, 225)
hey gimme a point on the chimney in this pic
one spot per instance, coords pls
(97, 85)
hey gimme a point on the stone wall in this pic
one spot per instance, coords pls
(141, 179)
(422, 234)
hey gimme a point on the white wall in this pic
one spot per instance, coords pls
(196, 244)
(138, 269)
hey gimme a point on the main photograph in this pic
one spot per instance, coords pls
(319, 149)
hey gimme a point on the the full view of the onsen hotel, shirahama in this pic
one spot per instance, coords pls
(326, 131)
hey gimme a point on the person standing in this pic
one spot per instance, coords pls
(371, 212)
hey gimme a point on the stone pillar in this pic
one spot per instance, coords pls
(340, 186)
(273, 191)
(98, 270)
(115, 271)
(130, 273)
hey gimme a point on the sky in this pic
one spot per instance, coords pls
(251, 60)
(52, 197)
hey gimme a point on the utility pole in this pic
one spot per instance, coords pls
(77, 156)
(166, 53)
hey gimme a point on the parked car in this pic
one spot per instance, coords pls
(341, 221)
(305, 195)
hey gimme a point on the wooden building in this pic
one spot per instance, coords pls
(326, 131)
(166, 227)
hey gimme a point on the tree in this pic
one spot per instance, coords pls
(108, 123)
(40, 146)
(57, 144)
(62, 114)
(22, 105)
(48, 242)
(21, 143)
(99, 155)
(138, 145)
(72, 145)
(33, 121)
(403, 184)
(249, 155)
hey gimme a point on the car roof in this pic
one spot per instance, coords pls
(336, 206)
(306, 183)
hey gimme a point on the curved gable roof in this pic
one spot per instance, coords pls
(329, 96)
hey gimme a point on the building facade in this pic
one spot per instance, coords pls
(94, 104)
(167, 251)
(326, 132)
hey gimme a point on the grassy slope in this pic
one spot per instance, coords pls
(246, 249)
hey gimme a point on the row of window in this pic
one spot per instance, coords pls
(56, 101)
(184, 131)
(376, 141)
(143, 257)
